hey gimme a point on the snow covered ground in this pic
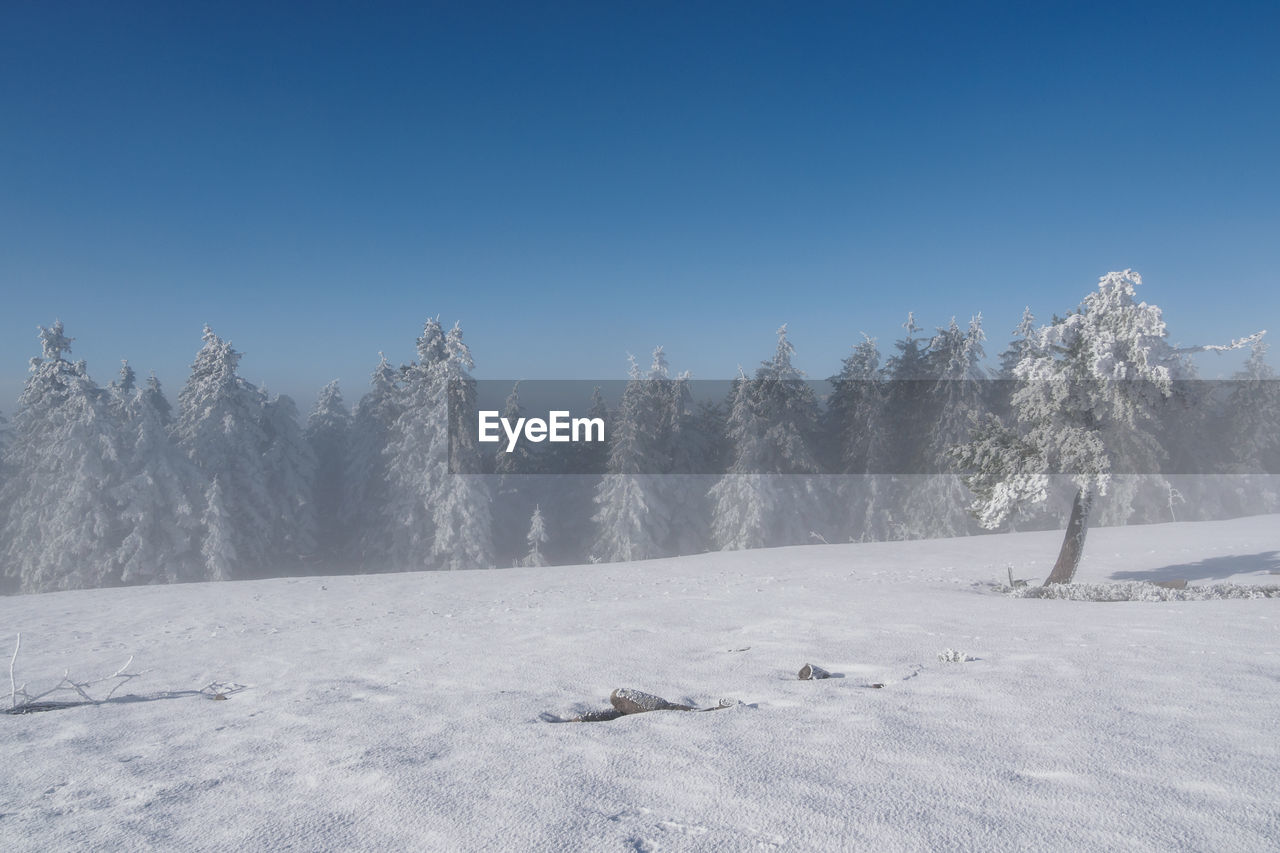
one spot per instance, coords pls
(401, 711)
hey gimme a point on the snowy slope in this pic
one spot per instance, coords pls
(401, 711)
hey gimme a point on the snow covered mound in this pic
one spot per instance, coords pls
(403, 711)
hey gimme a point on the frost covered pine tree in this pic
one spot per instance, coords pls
(1252, 434)
(290, 468)
(218, 549)
(461, 503)
(693, 449)
(365, 506)
(328, 434)
(438, 503)
(1091, 380)
(120, 391)
(512, 501)
(63, 524)
(160, 496)
(219, 427)
(851, 408)
(632, 522)
(767, 496)
(570, 494)
(898, 448)
(415, 455)
(938, 500)
(536, 538)
(854, 438)
(741, 500)
(1022, 346)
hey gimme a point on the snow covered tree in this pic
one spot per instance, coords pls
(898, 445)
(573, 474)
(909, 404)
(520, 460)
(63, 524)
(936, 498)
(1022, 346)
(462, 511)
(742, 501)
(290, 468)
(439, 504)
(851, 409)
(328, 434)
(219, 426)
(417, 453)
(160, 497)
(634, 515)
(121, 390)
(694, 460)
(367, 482)
(513, 497)
(536, 538)
(852, 438)
(1252, 436)
(1088, 391)
(767, 496)
(1254, 403)
(218, 549)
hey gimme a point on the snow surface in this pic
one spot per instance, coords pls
(401, 711)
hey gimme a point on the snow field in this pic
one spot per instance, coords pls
(401, 711)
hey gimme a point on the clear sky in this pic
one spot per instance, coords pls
(574, 182)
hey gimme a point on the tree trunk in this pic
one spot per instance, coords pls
(1073, 543)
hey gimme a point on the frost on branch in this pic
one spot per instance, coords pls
(77, 692)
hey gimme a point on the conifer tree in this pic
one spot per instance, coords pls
(937, 499)
(767, 496)
(1022, 346)
(513, 489)
(851, 409)
(569, 494)
(461, 503)
(218, 549)
(63, 524)
(1254, 404)
(365, 507)
(290, 468)
(899, 451)
(693, 461)
(121, 391)
(536, 539)
(852, 437)
(1252, 435)
(219, 427)
(160, 497)
(1089, 389)
(742, 501)
(440, 506)
(328, 434)
(633, 517)
(417, 454)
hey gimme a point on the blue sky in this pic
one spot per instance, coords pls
(579, 182)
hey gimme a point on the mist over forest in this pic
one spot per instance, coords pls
(118, 483)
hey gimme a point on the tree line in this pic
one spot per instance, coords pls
(114, 485)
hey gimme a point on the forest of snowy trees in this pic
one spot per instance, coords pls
(104, 486)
